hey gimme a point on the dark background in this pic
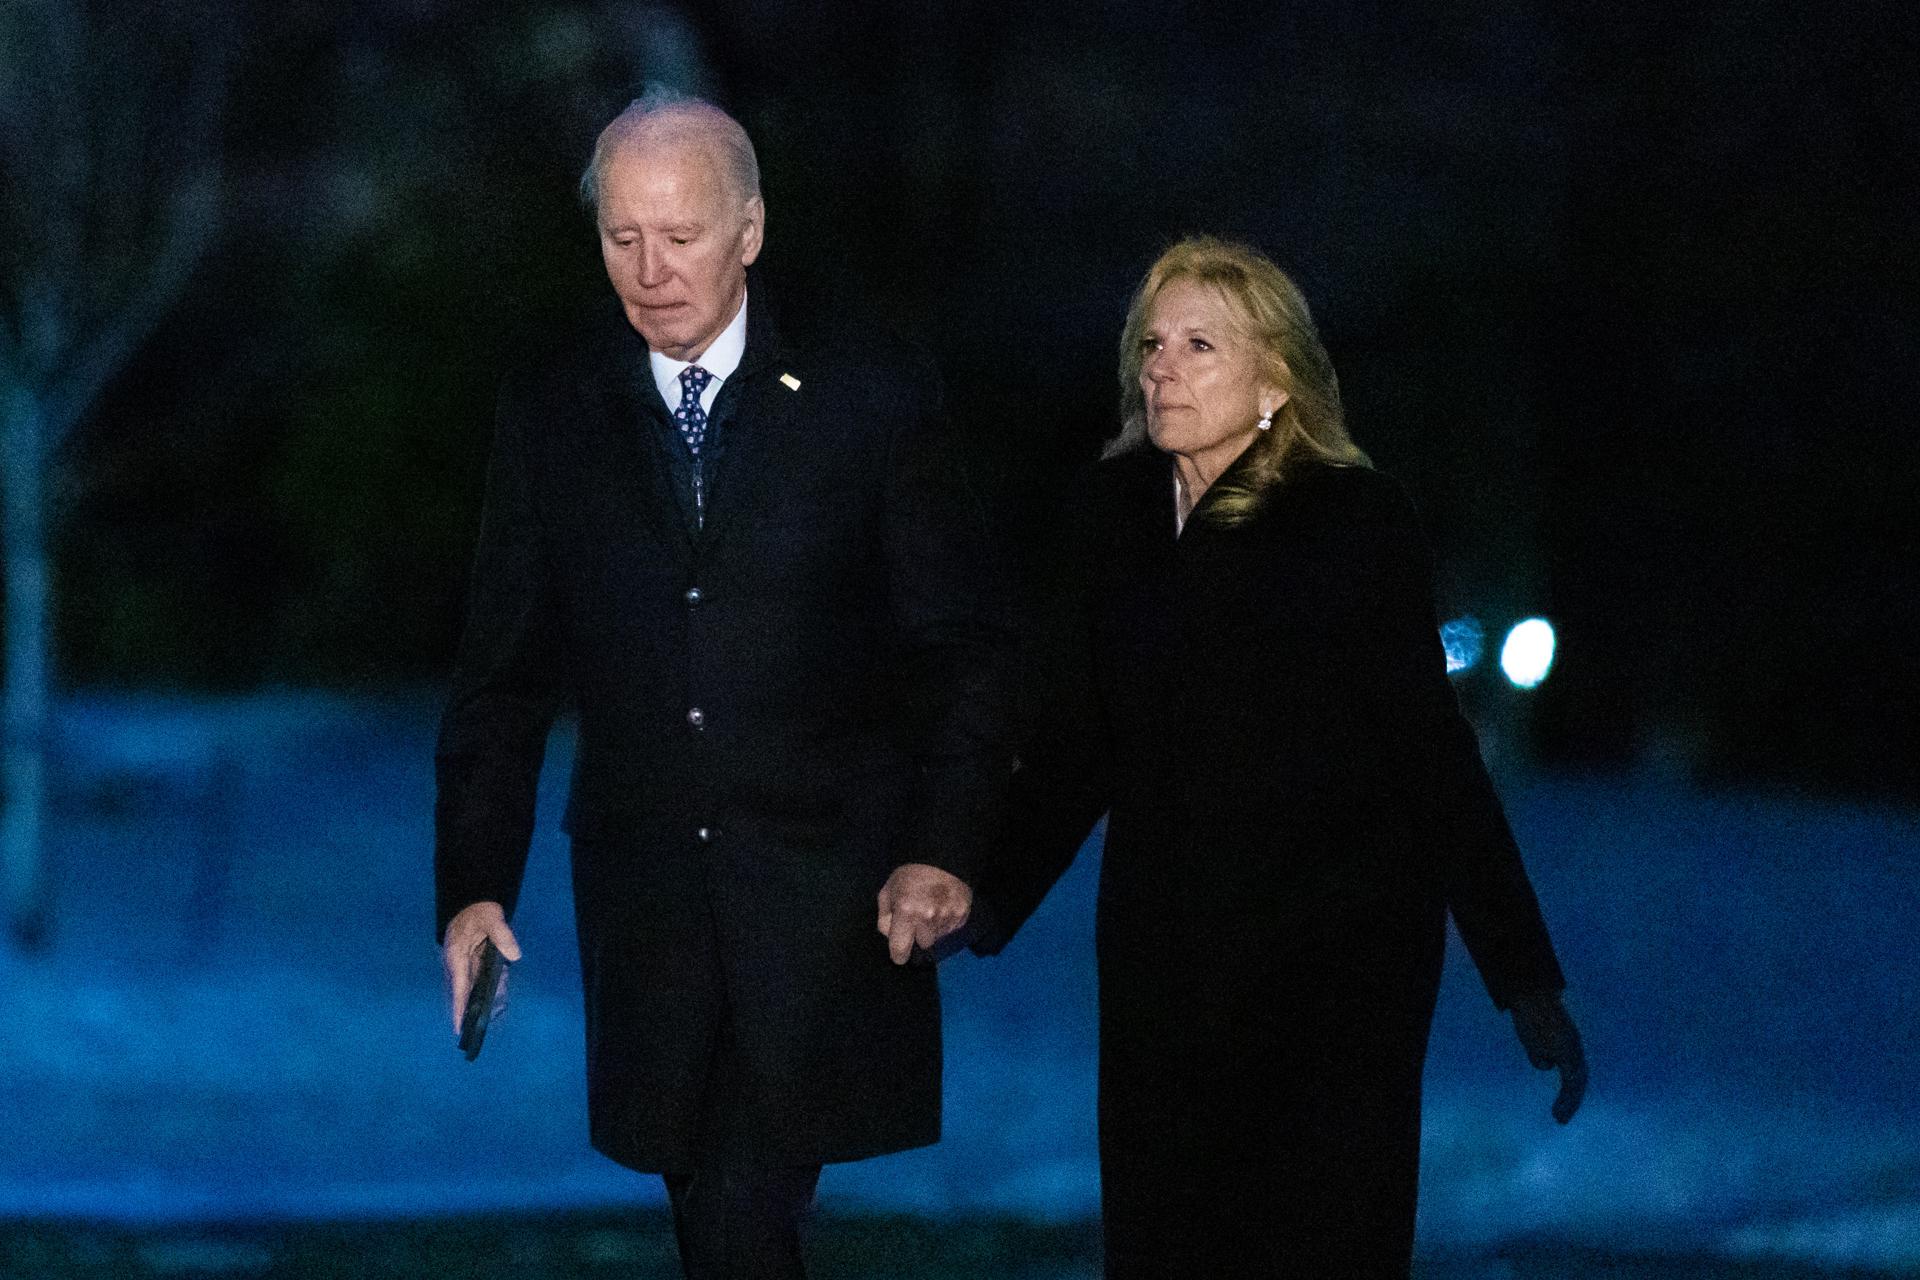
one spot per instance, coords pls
(1623, 293)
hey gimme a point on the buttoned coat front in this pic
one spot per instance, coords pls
(776, 708)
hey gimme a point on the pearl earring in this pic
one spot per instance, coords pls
(1266, 421)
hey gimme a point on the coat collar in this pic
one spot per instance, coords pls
(1151, 474)
(753, 405)
(623, 352)
(764, 345)
(754, 402)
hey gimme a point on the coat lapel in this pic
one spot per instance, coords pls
(621, 396)
(755, 406)
(1139, 563)
(1149, 528)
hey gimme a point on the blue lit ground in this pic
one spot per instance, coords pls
(272, 1044)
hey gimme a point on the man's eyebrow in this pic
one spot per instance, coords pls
(672, 229)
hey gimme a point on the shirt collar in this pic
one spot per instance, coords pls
(720, 359)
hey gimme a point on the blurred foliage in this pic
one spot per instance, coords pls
(1625, 296)
(286, 488)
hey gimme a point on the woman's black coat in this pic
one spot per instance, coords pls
(1294, 805)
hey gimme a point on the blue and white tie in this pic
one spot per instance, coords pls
(691, 417)
(692, 420)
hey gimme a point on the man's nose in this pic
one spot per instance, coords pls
(653, 266)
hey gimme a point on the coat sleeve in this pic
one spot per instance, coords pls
(950, 607)
(505, 692)
(1064, 780)
(1428, 758)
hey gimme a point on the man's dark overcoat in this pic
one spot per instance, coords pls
(775, 710)
(1294, 805)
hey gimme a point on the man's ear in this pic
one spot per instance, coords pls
(755, 231)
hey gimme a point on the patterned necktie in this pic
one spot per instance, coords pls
(691, 417)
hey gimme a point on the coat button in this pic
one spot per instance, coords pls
(704, 834)
(693, 596)
(697, 718)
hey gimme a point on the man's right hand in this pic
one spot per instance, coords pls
(460, 950)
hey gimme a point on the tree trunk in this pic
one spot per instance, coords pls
(24, 703)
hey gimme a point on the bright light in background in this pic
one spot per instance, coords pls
(1527, 655)
(1463, 640)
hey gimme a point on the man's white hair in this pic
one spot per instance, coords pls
(667, 113)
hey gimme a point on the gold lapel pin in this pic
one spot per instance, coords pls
(793, 383)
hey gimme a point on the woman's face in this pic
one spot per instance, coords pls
(1201, 379)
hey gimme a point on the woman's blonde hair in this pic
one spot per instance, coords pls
(1272, 316)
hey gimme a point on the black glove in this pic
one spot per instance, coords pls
(1551, 1040)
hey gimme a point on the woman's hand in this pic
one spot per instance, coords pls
(1547, 1033)
(919, 905)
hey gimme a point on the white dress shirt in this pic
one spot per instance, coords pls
(720, 359)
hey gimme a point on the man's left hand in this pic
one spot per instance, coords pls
(919, 905)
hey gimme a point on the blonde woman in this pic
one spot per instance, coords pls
(1244, 674)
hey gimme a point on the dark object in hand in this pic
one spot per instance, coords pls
(482, 999)
(952, 944)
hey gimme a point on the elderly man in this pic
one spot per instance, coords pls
(759, 572)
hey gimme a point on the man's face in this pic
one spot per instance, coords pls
(676, 239)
